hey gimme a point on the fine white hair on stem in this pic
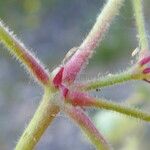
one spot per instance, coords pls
(103, 21)
(140, 24)
(86, 49)
(23, 55)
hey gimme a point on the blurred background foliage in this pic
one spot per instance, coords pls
(51, 28)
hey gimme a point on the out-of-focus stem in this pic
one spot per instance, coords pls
(139, 18)
(44, 115)
(78, 115)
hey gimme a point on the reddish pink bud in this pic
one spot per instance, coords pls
(144, 63)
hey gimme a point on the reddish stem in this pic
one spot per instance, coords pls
(146, 70)
(36, 68)
(144, 61)
(78, 115)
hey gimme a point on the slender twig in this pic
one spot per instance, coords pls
(87, 126)
(44, 115)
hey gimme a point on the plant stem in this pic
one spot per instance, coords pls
(21, 53)
(87, 126)
(132, 112)
(108, 80)
(86, 49)
(44, 115)
(84, 100)
(139, 18)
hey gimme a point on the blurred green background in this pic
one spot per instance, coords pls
(50, 28)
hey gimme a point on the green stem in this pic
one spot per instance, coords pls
(132, 112)
(109, 80)
(84, 100)
(139, 18)
(21, 53)
(87, 126)
(44, 115)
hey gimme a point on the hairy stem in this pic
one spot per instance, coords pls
(84, 100)
(132, 112)
(17, 49)
(136, 72)
(87, 126)
(44, 115)
(86, 49)
(142, 36)
(109, 80)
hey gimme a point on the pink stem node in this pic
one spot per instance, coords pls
(78, 98)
